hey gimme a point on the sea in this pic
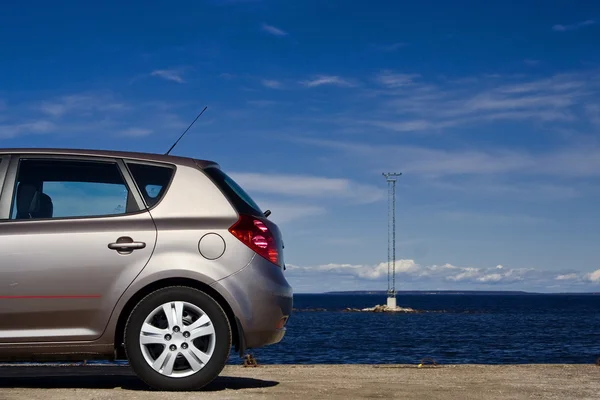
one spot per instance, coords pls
(451, 329)
(448, 329)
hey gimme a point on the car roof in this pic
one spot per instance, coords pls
(178, 160)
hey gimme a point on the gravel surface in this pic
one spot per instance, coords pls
(315, 382)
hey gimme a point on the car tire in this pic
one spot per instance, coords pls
(150, 315)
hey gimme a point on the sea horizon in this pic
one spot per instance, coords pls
(447, 292)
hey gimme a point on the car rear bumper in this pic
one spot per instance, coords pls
(261, 299)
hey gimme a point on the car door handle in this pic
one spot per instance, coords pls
(126, 244)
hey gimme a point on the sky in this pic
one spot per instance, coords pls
(490, 110)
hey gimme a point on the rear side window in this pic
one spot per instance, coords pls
(152, 180)
(240, 199)
(53, 188)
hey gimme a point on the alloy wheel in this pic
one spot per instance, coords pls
(177, 339)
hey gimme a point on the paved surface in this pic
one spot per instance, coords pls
(315, 382)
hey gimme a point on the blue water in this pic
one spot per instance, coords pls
(485, 329)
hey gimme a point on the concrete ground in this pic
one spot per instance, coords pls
(315, 382)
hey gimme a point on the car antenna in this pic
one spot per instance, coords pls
(184, 132)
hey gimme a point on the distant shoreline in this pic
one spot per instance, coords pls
(456, 292)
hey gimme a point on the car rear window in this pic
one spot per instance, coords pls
(238, 196)
(152, 180)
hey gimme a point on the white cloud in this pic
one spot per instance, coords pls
(273, 30)
(174, 75)
(572, 27)
(445, 275)
(410, 269)
(332, 80)
(595, 276)
(567, 277)
(271, 84)
(309, 187)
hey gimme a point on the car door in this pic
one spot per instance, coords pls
(74, 234)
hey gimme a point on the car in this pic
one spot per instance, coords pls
(160, 260)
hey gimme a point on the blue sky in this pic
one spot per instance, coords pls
(491, 110)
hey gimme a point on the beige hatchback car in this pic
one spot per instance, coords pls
(164, 261)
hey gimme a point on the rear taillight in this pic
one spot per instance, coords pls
(259, 235)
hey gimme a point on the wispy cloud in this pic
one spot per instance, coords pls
(8, 131)
(309, 187)
(271, 84)
(575, 26)
(593, 111)
(394, 80)
(89, 113)
(582, 161)
(407, 102)
(273, 30)
(332, 80)
(175, 75)
(81, 103)
(296, 197)
(492, 218)
(486, 187)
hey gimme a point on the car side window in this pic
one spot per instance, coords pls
(57, 188)
(152, 180)
(1, 177)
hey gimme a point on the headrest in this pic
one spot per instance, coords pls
(46, 208)
(27, 200)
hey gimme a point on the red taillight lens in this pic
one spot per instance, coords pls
(256, 234)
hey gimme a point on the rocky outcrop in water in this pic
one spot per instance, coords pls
(384, 309)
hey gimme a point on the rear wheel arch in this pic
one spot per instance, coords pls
(237, 340)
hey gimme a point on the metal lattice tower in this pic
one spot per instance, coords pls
(391, 178)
